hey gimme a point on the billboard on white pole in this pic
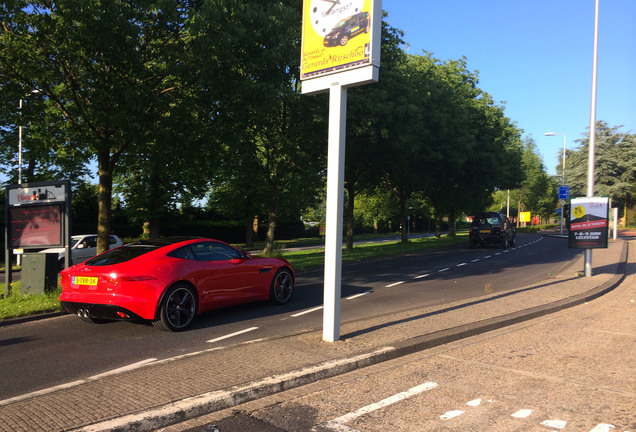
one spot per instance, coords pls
(340, 37)
(340, 49)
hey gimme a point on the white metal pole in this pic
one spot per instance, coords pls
(335, 205)
(20, 146)
(563, 182)
(592, 146)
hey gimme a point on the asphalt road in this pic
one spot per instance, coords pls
(60, 350)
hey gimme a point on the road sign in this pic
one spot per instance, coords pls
(564, 192)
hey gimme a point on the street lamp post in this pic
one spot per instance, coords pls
(562, 169)
(20, 139)
(20, 146)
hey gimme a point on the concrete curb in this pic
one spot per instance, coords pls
(197, 406)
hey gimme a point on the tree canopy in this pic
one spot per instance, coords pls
(178, 105)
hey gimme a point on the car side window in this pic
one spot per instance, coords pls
(89, 242)
(183, 253)
(212, 251)
(112, 240)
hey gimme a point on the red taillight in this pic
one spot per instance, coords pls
(136, 278)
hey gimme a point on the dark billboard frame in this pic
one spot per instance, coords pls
(44, 210)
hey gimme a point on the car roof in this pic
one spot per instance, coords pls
(170, 240)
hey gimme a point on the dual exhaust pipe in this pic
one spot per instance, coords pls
(83, 313)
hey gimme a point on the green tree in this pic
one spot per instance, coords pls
(105, 71)
(615, 166)
(537, 193)
(271, 129)
(373, 113)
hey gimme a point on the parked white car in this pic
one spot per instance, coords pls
(83, 247)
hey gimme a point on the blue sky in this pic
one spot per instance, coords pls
(537, 57)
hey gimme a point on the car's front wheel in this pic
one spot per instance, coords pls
(177, 309)
(282, 287)
(344, 40)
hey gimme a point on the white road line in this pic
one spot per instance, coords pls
(296, 315)
(232, 334)
(460, 265)
(338, 424)
(443, 270)
(394, 284)
(488, 256)
(358, 295)
(451, 414)
(125, 368)
(475, 260)
(422, 276)
(556, 424)
(522, 413)
(603, 427)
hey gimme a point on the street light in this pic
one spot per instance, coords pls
(562, 169)
(20, 140)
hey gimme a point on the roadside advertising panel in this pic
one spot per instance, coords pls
(525, 217)
(589, 222)
(340, 37)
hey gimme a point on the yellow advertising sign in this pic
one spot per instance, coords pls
(524, 217)
(336, 36)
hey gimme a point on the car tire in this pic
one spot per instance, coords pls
(344, 40)
(472, 244)
(512, 242)
(177, 309)
(282, 287)
(504, 244)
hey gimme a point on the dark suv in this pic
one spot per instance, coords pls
(346, 29)
(491, 227)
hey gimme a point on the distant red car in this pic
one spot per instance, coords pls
(170, 281)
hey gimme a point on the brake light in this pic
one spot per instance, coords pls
(136, 278)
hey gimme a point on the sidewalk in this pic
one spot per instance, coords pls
(173, 391)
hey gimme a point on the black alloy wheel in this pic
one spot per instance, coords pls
(178, 308)
(282, 287)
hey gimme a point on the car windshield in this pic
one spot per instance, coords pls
(122, 254)
(74, 240)
(487, 220)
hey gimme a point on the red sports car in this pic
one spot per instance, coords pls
(170, 281)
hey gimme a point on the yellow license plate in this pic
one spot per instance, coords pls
(82, 280)
(484, 231)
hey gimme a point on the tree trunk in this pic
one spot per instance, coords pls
(271, 222)
(105, 172)
(403, 221)
(451, 223)
(438, 221)
(251, 231)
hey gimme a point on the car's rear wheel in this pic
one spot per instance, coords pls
(282, 287)
(177, 309)
(504, 244)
